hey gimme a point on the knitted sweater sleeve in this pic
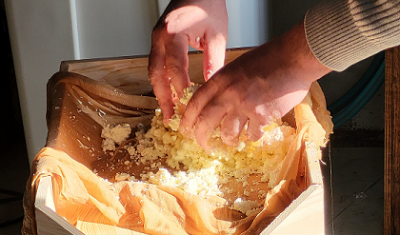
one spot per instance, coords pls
(343, 32)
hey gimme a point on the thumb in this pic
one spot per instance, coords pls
(214, 55)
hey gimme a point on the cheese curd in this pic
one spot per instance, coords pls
(114, 135)
(188, 167)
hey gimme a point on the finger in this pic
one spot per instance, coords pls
(255, 130)
(158, 77)
(177, 62)
(196, 42)
(214, 54)
(196, 104)
(231, 127)
(208, 120)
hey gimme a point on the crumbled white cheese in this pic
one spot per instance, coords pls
(122, 176)
(114, 135)
(247, 207)
(194, 170)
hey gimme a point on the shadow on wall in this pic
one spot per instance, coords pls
(11, 120)
(14, 166)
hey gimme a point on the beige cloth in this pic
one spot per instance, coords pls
(78, 107)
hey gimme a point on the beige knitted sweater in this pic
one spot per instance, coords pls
(343, 32)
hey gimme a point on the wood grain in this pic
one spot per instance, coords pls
(305, 215)
(130, 73)
(392, 143)
(47, 220)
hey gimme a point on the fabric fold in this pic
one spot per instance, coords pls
(97, 206)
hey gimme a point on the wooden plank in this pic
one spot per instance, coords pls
(130, 73)
(392, 143)
(47, 220)
(305, 215)
(313, 168)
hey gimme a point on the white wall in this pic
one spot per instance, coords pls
(41, 37)
(247, 25)
(45, 32)
(109, 28)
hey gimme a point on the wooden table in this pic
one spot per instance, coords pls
(392, 143)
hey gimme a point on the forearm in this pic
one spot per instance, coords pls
(341, 33)
(300, 56)
(288, 52)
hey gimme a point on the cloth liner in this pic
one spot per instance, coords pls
(78, 107)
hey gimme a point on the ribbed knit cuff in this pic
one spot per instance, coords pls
(341, 33)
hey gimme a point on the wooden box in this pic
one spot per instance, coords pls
(305, 215)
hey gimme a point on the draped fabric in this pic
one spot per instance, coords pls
(78, 109)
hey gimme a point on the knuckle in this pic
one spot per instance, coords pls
(155, 76)
(231, 91)
(228, 135)
(177, 75)
(174, 70)
(201, 123)
(194, 103)
(204, 124)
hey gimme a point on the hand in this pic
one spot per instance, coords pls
(202, 24)
(264, 83)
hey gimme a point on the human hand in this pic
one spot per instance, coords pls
(202, 24)
(262, 84)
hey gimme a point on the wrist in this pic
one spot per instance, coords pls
(290, 57)
(291, 54)
(300, 55)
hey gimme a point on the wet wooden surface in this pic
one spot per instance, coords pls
(392, 142)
